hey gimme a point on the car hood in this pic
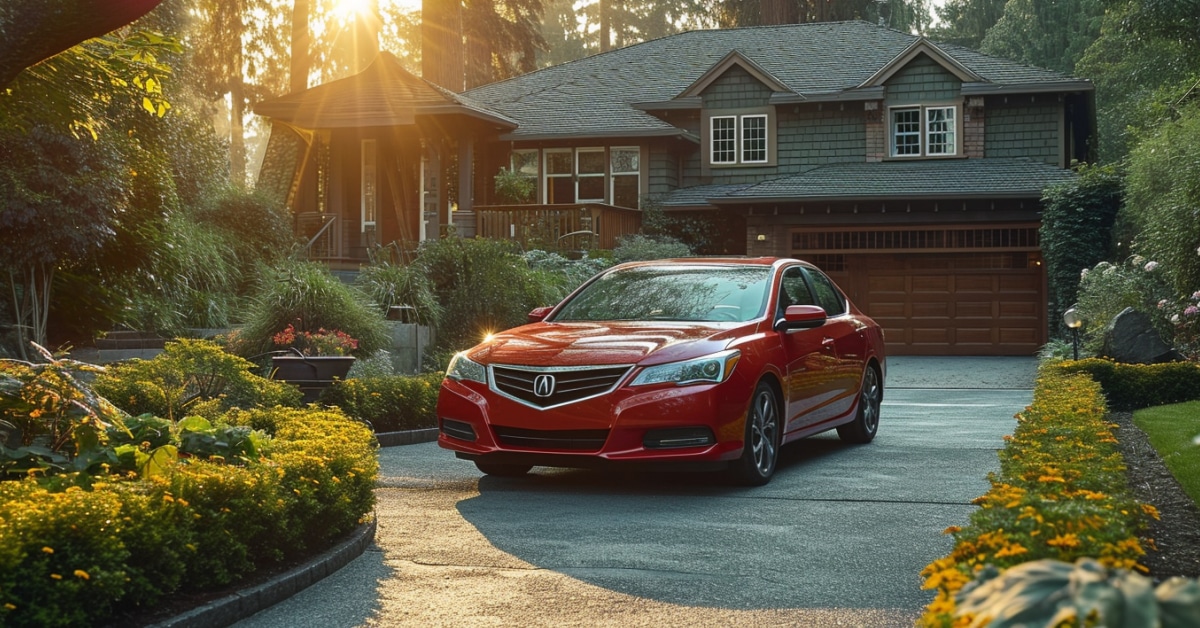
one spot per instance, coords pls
(579, 344)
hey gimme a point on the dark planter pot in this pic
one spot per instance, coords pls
(311, 373)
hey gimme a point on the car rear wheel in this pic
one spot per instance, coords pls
(862, 429)
(760, 453)
(503, 470)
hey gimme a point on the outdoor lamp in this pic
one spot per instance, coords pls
(1074, 321)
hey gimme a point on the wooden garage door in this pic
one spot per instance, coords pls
(989, 301)
(962, 304)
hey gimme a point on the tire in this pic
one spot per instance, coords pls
(866, 423)
(760, 454)
(503, 470)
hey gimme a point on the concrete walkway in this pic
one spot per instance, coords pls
(838, 538)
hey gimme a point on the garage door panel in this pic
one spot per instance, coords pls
(975, 283)
(954, 304)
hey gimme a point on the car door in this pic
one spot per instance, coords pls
(808, 359)
(842, 340)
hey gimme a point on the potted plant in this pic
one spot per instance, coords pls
(312, 359)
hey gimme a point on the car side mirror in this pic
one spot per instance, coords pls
(538, 314)
(801, 317)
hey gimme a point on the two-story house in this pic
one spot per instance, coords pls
(911, 171)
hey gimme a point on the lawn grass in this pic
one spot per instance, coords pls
(1172, 431)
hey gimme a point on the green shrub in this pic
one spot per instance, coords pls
(191, 377)
(62, 562)
(1077, 233)
(327, 468)
(388, 404)
(388, 285)
(639, 247)
(1107, 289)
(306, 296)
(482, 286)
(257, 229)
(1134, 386)
(564, 275)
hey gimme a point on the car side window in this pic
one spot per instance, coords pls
(828, 296)
(793, 290)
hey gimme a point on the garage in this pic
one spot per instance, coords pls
(966, 291)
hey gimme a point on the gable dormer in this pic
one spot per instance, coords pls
(922, 112)
(737, 120)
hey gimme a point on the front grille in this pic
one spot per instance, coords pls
(574, 440)
(529, 385)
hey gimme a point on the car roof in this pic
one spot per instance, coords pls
(716, 261)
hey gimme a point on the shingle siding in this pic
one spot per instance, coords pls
(1024, 130)
(922, 81)
(736, 89)
(820, 134)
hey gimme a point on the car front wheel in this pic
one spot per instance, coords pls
(760, 454)
(862, 429)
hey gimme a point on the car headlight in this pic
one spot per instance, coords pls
(461, 367)
(711, 369)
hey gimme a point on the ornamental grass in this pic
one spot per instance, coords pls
(1060, 494)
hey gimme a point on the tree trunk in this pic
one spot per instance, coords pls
(605, 25)
(442, 43)
(237, 133)
(300, 62)
(779, 12)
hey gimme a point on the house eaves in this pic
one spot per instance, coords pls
(992, 89)
(916, 180)
(607, 135)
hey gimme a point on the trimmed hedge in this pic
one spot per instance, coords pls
(1136, 386)
(1061, 494)
(75, 557)
(390, 403)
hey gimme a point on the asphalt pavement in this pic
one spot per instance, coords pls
(838, 538)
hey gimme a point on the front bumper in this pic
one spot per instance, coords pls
(675, 424)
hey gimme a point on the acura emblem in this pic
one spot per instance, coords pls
(543, 385)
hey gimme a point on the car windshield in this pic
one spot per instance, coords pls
(672, 293)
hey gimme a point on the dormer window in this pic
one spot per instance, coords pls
(924, 131)
(743, 139)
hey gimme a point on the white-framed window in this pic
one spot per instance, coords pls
(724, 139)
(924, 131)
(624, 165)
(740, 139)
(369, 186)
(754, 139)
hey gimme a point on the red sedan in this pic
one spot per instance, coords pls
(712, 362)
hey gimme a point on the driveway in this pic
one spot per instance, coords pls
(837, 538)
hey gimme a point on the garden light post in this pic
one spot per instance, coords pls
(1073, 320)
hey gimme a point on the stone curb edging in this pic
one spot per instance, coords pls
(229, 609)
(407, 437)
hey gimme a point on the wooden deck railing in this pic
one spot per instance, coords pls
(558, 227)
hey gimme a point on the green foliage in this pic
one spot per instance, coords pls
(1049, 593)
(1133, 386)
(62, 560)
(258, 230)
(191, 377)
(513, 188)
(1044, 33)
(388, 404)
(306, 296)
(482, 286)
(1164, 199)
(75, 557)
(1060, 494)
(966, 22)
(388, 285)
(705, 232)
(1076, 232)
(1172, 430)
(640, 247)
(63, 423)
(563, 275)
(1107, 289)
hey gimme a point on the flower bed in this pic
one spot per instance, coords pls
(1060, 494)
(389, 403)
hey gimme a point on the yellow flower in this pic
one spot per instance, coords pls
(48, 550)
(79, 573)
(952, 530)
(1150, 510)
(55, 576)
(1064, 541)
(10, 607)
